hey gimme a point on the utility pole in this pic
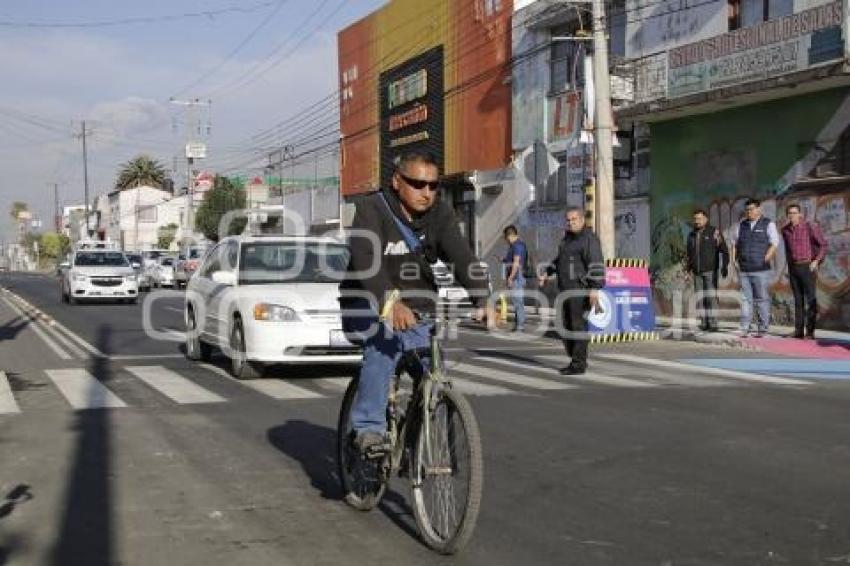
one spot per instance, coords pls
(194, 149)
(57, 219)
(602, 133)
(85, 175)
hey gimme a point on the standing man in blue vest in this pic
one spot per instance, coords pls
(755, 241)
(515, 263)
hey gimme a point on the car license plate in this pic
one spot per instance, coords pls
(455, 294)
(338, 339)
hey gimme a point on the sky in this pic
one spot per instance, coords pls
(117, 63)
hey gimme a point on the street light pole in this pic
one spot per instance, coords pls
(603, 133)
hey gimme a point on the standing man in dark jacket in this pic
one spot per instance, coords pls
(756, 240)
(706, 247)
(580, 268)
(805, 248)
(514, 263)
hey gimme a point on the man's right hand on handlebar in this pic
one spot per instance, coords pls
(401, 318)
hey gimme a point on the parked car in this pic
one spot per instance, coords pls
(99, 274)
(266, 300)
(142, 278)
(163, 271)
(186, 264)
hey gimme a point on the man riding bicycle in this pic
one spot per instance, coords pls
(389, 279)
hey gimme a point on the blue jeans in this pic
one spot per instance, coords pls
(518, 300)
(755, 286)
(382, 350)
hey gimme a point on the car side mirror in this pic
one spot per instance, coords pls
(136, 265)
(227, 278)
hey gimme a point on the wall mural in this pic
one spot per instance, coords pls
(831, 211)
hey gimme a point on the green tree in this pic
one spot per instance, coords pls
(143, 170)
(54, 246)
(225, 196)
(165, 235)
(16, 208)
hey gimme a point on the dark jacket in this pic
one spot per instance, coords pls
(579, 263)
(399, 267)
(752, 245)
(711, 246)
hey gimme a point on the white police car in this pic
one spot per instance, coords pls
(99, 272)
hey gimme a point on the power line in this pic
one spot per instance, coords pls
(246, 79)
(266, 21)
(140, 19)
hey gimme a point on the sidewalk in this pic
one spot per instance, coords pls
(829, 345)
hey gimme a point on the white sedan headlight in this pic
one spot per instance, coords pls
(274, 313)
(80, 277)
(130, 278)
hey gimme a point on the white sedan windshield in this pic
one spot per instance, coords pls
(292, 263)
(101, 259)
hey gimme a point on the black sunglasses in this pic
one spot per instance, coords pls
(419, 184)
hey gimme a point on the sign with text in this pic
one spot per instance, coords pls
(777, 47)
(626, 301)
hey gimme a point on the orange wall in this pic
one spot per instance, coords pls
(476, 64)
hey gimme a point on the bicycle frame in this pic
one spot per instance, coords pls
(422, 399)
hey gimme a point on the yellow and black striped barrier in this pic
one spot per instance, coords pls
(627, 262)
(624, 337)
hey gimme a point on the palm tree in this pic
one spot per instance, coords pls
(143, 170)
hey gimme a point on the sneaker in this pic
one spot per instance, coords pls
(809, 335)
(572, 370)
(369, 441)
(760, 333)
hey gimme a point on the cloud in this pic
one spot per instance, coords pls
(122, 91)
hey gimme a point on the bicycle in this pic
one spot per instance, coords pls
(434, 440)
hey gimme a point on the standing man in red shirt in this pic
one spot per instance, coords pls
(805, 248)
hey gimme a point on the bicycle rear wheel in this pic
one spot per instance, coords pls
(448, 474)
(361, 479)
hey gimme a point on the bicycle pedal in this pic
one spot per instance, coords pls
(376, 451)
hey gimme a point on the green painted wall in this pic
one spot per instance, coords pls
(714, 161)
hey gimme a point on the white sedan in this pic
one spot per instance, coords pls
(99, 274)
(267, 300)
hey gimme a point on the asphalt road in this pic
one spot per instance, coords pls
(644, 462)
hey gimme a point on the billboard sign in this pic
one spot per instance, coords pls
(776, 47)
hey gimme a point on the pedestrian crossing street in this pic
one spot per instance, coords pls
(478, 375)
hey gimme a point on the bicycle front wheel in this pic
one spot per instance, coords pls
(361, 479)
(448, 474)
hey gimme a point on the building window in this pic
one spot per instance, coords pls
(746, 13)
(566, 62)
(147, 214)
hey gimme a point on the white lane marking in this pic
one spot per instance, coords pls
(517, 338)
(756, 378)
(333, 383)
(655, 378)
(82, 390)
(76, 338)
(39, 332)
(505, 377)
(589, 376)
(476, 389)
(127, 357)
(173, 385)
(274, 388)
(7, 400)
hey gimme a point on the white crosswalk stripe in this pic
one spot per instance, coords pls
(647, 374)
(730, 374)
(587, 377)
(274, 388)
(173, 385)
(7, 400)
(82, 390)
(505, 377)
